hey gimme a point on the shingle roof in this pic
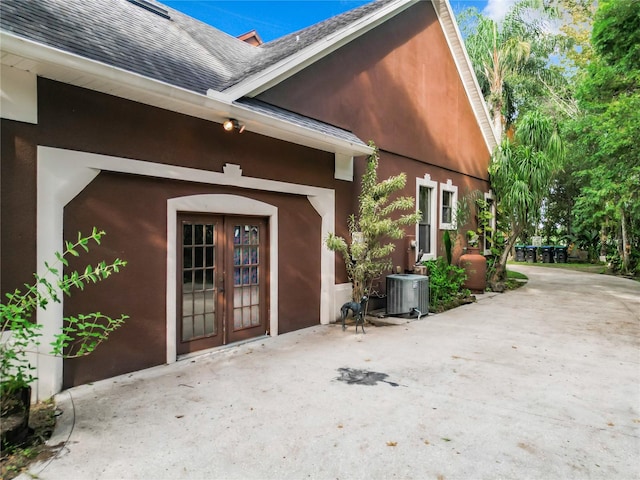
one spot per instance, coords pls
(181, 51)
(293, 118)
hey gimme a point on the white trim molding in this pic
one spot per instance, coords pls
(63, 174)
(433, 230)
(453, 189)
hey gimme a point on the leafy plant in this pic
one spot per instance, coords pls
(79, 336)
(521, 174)
(472, 238)
(368, 256)
(445, 283)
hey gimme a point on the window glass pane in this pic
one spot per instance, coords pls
(198, 325)
(209, 324)
(254, 235)
(245, 234)
(187, 282)
(424, 244)
(187, 258)
(209, 235)
(199, 237)
(425, 204)
(187, 234)
(199, 256)
(209, 273)
(447, 209)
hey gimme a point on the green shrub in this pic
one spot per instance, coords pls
(445, 284)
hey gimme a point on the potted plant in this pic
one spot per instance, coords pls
(20, 334)
(472, 241)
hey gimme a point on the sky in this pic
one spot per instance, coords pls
(275, 18)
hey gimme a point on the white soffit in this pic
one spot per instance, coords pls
(56, 64)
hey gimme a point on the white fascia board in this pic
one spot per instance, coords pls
(454, 39)
(56, 64)
(51, 62)
(280, 71)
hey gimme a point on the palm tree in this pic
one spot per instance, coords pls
(521, 171)
(505, 54)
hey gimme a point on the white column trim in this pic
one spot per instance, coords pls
(62, 174)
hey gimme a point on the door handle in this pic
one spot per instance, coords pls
(221, 282)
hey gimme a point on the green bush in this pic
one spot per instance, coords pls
(445, 284)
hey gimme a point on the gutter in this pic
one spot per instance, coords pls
(56, 64)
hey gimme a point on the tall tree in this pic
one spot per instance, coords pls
(606, 133)
(521, 174)
(510, 58)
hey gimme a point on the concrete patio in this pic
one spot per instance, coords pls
(538, 383)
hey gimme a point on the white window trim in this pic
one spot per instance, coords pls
(489, 196)
(448, 187)
(427, 182)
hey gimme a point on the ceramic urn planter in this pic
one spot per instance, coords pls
(475, 266)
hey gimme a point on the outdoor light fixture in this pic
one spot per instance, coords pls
(231, 124)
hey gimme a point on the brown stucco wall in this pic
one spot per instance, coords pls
(132, 210)
(398, 86)
(17, 205)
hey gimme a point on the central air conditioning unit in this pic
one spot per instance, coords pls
(407, 293)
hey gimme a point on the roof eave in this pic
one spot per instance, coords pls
(59, 65)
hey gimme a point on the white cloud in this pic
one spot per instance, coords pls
(497, 9)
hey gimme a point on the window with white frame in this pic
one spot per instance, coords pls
(489, 214)
(448, 202)
(426, 194)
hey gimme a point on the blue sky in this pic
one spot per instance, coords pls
(275, 18)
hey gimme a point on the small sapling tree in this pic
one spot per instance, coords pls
(380, 220)
(80, 335)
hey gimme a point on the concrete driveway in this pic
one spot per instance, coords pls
(538, 383)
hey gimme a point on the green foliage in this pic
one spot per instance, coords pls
(511, 60)
(521, 174)
(80, 335)
(445, 283)
(448, 246)
(604, 159)
(367, 257)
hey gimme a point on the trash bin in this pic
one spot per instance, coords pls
(561, 253)
(520, 253)
(531, 253)
(547, 254)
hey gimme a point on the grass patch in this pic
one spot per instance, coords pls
(511, 275)
(514, 280)
(578, 267)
